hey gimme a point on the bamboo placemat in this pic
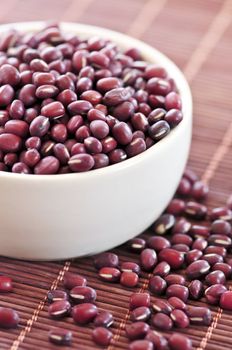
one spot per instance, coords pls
(196, 34)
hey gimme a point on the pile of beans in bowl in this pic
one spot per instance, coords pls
(69, 104)
(175, 274)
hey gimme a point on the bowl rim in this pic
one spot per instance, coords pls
(122, 40)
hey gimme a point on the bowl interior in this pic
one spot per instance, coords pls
(151, 55)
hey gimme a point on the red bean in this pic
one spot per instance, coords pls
(109, 274)
(199, 231)
(137, 330)
(47, 165)
(43, 79)
(6, 95)
(83, 294)
(159, 130)
(162, 269)
(174, 258)
(173, 117)
(56, 295)
(92, 96)
(212, 259)
(221, 227)
(176, 303)
(195, 210)
(95, 114)
(215, 277)
(157, 339)
(200, 244)
(9, 318)
(81, 162)
(141, 345)
(122, 133)
(141, 313)
(17, 109)
(10, 142)
(184, 188)
(176, 207)
(128, 266)
(154, 70)
(199, 190)
(60, 336)
(179, 291)
(226, 300)
(117, 96)
(181, 226)
(79, 107)
(175, 279)
(102, 336)
(59, 309)
(9, 75)
(117, 156)
(84, 313)
(72, 280)
(107, 84)
(164, 224)
(193, 255)
(139, 299)
(103, 319)
(5, 284)
(196, 289)
(99, 129)
(197, 269)
(148, 259)
(221, 213)
(162, 322)
(179, 318)
(27, 95)
(136, 244)
(162, 306)
(20, 168)
(17, 127)
(31, 157)
(53, 110)
(218, 240)
(216, 250)
(135, 147)
(123, 111)
(179, 341)
(158, 86)
(213, 293)
(180, 238)
(157, 285)
(129, 279)
(199, 315)
(225, 268)
(46, 91)
(39, 126)
(106, 260)
(158, 243)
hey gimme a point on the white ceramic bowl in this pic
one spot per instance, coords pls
(63, 216)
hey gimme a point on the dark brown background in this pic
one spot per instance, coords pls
(197, 35)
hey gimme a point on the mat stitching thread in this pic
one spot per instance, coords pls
(39, 308)
(126, 318)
